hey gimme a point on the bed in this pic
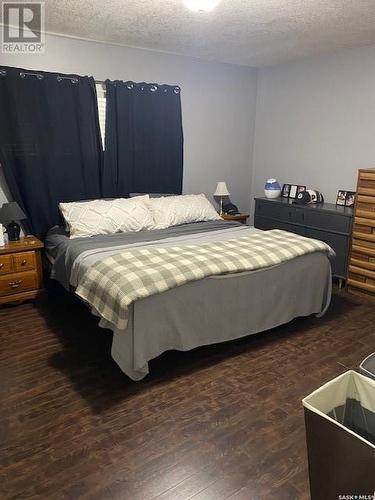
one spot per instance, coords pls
(204, 311)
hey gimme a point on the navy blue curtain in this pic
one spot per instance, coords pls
(143, 139)
(50, 145)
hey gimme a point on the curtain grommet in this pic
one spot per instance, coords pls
(38, 75)
(61, 78)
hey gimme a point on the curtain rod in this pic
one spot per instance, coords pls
(73, 79)
(59, 78)
(40, 76)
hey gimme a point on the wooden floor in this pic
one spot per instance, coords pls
(216, 423)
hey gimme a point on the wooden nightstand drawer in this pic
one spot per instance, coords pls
(21, 273)
(6, 264)
(17, 283)
(24, 261)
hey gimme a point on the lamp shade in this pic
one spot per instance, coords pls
(221, 189)
(11, 212)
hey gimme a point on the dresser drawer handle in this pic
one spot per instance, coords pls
(15, 284)
(1, 265)
(24, 262)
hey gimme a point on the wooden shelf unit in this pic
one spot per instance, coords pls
(238, 217)
(361, 278)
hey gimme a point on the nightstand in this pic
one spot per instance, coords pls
(239, 217)
(20, 270)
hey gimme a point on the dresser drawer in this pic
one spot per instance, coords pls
(326, 221)
(6, 264)
(266, 224)
(16, 283)
(24, 261)
(275, 211)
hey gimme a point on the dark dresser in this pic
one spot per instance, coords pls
(325, 221)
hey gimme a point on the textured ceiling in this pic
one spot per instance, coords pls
(248, 32)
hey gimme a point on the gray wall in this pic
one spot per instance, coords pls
(315, 121)
(315, 118)
(218, 104)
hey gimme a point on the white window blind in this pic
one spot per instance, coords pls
(100, 92)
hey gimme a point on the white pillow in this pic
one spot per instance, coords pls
(183, 209)
(89, 218)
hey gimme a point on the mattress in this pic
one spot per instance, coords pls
(71, 257)
(207, 311)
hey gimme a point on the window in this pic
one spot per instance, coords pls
(100, 92)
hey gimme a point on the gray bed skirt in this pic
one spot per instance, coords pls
(221, 308)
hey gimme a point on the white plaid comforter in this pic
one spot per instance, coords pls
(111, 285)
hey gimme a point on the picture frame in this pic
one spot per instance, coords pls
(341, 197)
(293, 191)
(285, 191)
(350, 198)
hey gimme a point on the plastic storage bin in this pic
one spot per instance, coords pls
(367, 366)
(340, 436)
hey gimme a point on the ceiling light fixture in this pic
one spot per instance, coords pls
(201, 5)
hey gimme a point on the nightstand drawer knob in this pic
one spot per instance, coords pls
(1, 265)
(24, 262)
(15, 284)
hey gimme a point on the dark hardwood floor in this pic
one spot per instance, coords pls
(220, 422)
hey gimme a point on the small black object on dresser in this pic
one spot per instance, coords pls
(324, 221)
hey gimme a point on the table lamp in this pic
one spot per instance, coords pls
(221, 191)
(9, 214)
